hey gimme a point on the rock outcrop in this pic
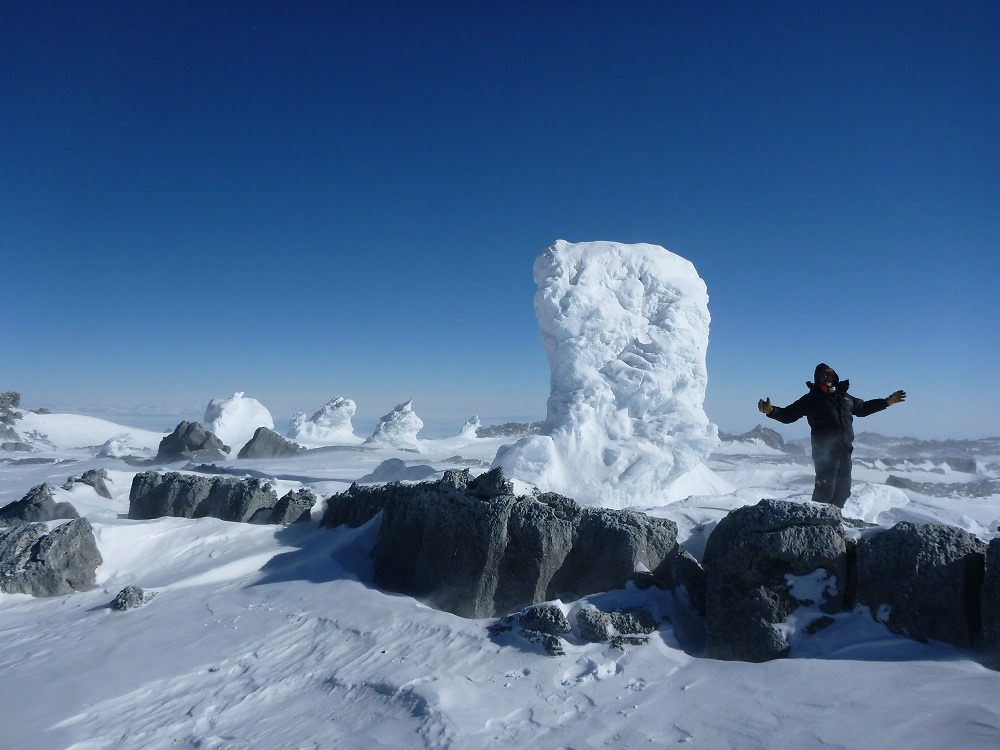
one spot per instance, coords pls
(293, 507)
(396, 470)
(96, 478)
(990, 609)
(154, 495)
(471, 547)
(267, 443)
(130, 597)
(38, 505)
(924, 581)
(749, 560)
(39, 562)
(766, 562)
(191, 442)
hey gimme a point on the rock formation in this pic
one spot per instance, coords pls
(38, 505)
(39, 562)
(473, 548)
(191, 442)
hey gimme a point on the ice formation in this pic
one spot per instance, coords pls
(330, 425)
(625, 329)
(470, 428)
(398, 429)
(234, 420)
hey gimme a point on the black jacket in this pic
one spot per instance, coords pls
(830, 415)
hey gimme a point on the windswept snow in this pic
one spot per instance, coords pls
(625, 329)
(274, 638)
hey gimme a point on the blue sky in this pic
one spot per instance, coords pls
(307, 200)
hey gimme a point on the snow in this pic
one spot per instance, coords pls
(234, 420)
(625, 329)
(331, 425)
(398, 429)
(274, 638)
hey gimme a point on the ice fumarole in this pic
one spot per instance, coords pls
(625, 329)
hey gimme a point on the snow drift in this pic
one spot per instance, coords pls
(625, 329)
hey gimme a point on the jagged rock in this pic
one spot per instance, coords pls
(681, 573)
(479, 554)
(492, 483)
(759, 434)
(191, 442)
(130, 597)
(597, 626)
(267, 443)
(396, 470)
(748, 559)
(545, 618)
(48, 564)
(923, 580)
(38, 505)
(14, 446)
(9, 400)
(154, 495)
(293, 507)
(96, 478)
(990, 600)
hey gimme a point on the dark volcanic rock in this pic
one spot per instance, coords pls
(748, 560)
(474, 550)
(40, 563)
(267, 443)
(396, 470)
(130, 597)
(191, 442)
(293, 507)
(38, 505)
(991, 605)
(96, 478)
(155, 495)
(923, 580)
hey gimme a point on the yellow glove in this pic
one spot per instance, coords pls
(765, 406)
(896, 397)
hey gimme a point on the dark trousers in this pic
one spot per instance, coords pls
(832, 460)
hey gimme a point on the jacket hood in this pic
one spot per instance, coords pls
(842, 385)
(821, 368)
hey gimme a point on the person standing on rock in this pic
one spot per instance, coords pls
(830, 411)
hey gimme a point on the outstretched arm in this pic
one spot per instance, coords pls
(786, 415)
(864, 408)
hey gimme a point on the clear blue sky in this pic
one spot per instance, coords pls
(305, 200)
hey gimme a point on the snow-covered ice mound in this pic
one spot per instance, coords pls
(330, 425)
(398, 429)
(625, 329)
(234, 420)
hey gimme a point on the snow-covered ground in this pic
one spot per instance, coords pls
(272, 637)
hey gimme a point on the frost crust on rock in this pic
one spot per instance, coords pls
(625, 329)
(330, 425)
(234, 420)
